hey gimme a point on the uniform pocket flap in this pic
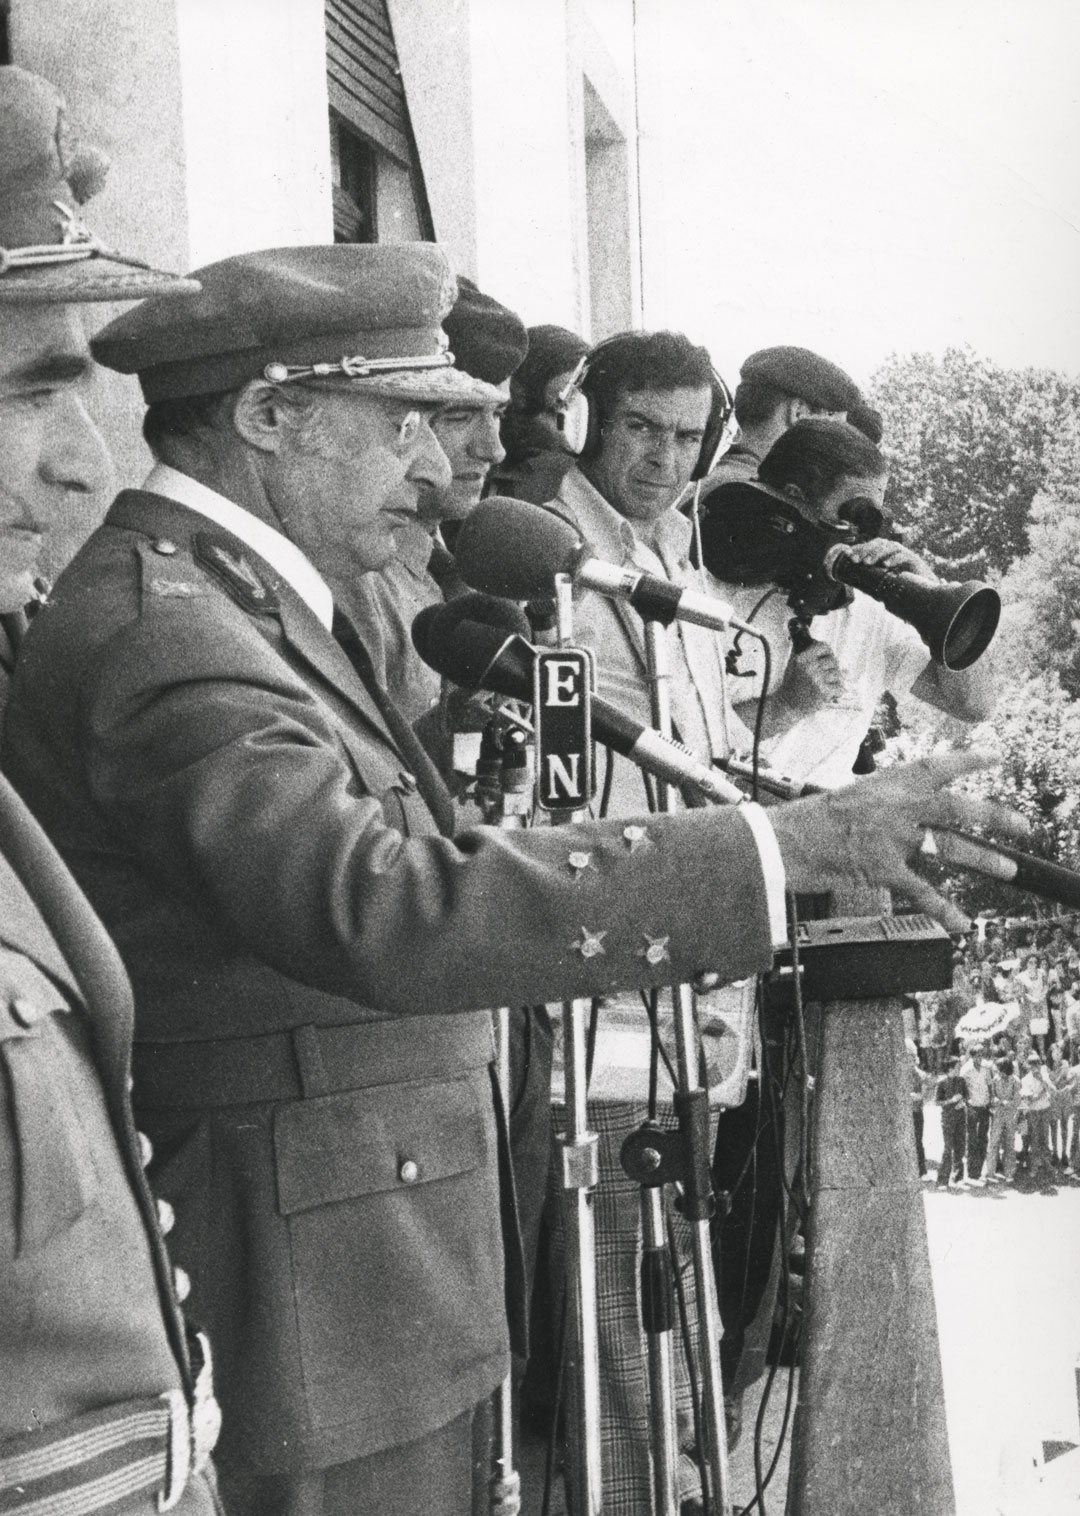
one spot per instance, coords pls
(367, 1142)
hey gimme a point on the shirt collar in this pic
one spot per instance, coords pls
(617, 538)
(271, 545)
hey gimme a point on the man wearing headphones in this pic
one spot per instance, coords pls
(645, 412)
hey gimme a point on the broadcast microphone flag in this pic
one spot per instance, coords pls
(478, 655)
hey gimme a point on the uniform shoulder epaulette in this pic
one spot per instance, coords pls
(233, 569)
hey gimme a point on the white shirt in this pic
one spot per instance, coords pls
(876, 652)
(283, 556)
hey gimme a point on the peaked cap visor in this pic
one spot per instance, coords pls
(298, 306)
(99, 278)
(48, 255)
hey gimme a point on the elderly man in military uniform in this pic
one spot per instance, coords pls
(313, 952)
(102, 1405)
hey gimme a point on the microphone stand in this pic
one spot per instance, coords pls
(692, 1109)
(580, 1171)
(506, 804)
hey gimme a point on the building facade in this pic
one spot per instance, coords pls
(507, 130)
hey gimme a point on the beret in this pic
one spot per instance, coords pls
(48, 255)
(868, 420)
(487, 340)
(797, 371)
(363, 314)
(552, 350)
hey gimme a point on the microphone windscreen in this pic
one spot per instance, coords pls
(507, 547)
(478, 657)
(445, 616)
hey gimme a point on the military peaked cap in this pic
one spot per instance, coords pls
(487, 340)
(48, 255)
(797, 371)
(363, 315)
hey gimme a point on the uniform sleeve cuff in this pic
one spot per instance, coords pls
(772, 869)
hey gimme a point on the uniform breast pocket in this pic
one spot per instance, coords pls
(390, 1196)
(47, 1173)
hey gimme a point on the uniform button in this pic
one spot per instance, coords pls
(165, 546)
(181, 1284)
(409, 1172)
(166, 1216)
(146, 1149)
(23, 1010)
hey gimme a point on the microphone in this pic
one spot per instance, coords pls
(479, 656)
(506, 547)
(1047, 880)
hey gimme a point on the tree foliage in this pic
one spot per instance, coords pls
(970, 447)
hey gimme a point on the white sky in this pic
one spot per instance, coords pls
(864, 176)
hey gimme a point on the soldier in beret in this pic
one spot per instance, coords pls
(777, 387)
(312, 950)
(104, 1404)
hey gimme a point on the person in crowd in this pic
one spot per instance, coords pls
(101, 1381)
(949, 1092)
(918, 1099)
(1032, 985)
(1036, 1093)
(1071, 1013)
(826, 684)
(1058, 1073)
(1072, 1091)
(1004, 1106)
(488, 342)
(976, 1075)
(537, 451)
(309, 944)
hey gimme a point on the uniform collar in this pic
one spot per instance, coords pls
(271, 545)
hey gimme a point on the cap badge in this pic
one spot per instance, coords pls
(235, 572)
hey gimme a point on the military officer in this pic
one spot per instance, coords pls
(102, 1405)
(312, 952)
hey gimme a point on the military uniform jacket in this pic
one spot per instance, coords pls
(88, 1315)
(306, 951)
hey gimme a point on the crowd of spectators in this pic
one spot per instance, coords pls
(999, 1055)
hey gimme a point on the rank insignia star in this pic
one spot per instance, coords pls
(635, 837)
(579, 862)
(591, 944)
(655, 950)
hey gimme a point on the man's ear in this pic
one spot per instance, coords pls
(796, 409)
(795, 492)
(261, 415)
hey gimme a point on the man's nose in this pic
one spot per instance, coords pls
(485, 444)
(429, 467)
(662, 450)
(74, 456)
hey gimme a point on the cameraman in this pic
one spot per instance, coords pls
(822, 697)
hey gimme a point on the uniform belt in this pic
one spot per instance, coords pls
(309, 1061)
(150, 1446)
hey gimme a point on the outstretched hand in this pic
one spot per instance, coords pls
(866, 833)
